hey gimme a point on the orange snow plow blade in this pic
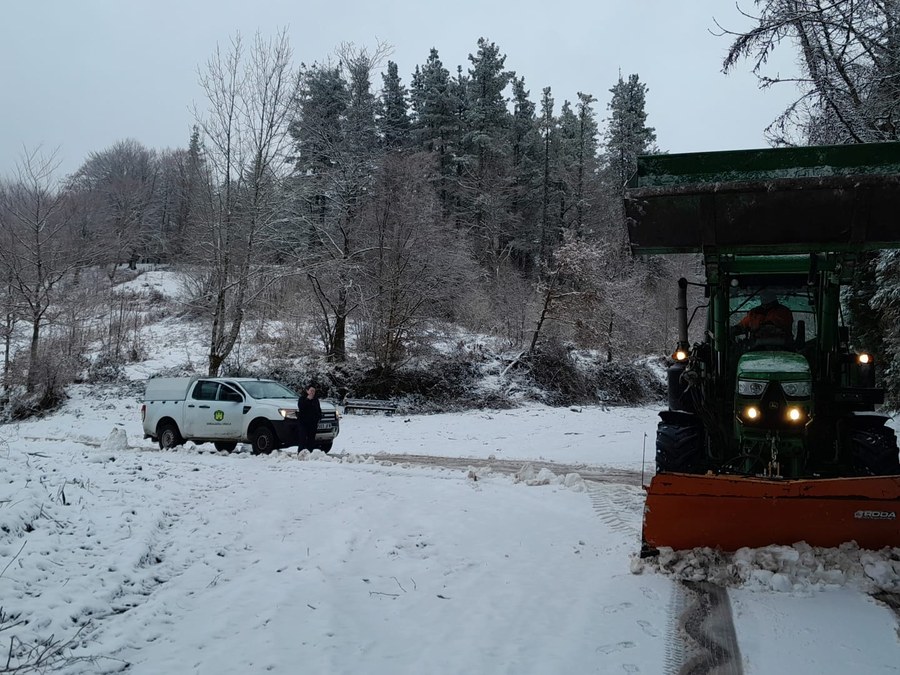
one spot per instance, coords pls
(684, 511)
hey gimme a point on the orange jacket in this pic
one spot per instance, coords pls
(776, 314)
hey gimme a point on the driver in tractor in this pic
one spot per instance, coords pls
(770, 320)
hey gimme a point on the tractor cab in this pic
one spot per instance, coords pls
(771, 315)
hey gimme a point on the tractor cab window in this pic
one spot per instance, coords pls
(772, 315)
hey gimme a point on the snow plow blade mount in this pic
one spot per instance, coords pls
(685, 511)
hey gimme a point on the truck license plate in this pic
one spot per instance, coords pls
(324, 426)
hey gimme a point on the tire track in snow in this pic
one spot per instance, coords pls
(597, 474)
(703, 641)
(616, 507)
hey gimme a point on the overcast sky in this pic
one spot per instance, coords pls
(79, 75)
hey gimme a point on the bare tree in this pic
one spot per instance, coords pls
(413, 258)
(245, 129)
(849, 67)
(39, 246)
(119, 185)
(599, 298)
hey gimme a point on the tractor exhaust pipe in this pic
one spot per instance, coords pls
(681, 312)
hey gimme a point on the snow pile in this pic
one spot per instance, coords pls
(160, 283)
(797, 568)
(117, 441)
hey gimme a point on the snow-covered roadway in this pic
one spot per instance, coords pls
(129, 558)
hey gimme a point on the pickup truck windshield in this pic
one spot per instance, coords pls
(263, 389)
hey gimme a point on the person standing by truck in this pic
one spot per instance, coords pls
(309, 412)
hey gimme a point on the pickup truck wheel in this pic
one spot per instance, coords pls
(325, 446)
(263, 440)
(222, 446)
(169, 436)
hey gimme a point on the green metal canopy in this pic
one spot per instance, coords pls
(777, 200)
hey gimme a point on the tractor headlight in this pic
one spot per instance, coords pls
(863, 359)
(680, 355)
(288, 413)
(751, 412)
(751, 387)
(795, 414)
(797, 389)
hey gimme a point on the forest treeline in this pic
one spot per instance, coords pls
(365, 204)
(368, 209)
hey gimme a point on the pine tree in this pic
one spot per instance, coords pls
(394, 122)
(565, 161)
(360, 125)
(627, 133)
(547, 130)
(317, 129)
(586, 155)
(435, 122)
(487, 116)
(526, 166)
(431, 102)
(485, 180)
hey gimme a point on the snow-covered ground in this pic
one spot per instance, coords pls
(117, 557)
(193, 561)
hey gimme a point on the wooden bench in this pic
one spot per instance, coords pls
(369, 404)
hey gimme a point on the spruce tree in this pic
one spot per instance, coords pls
(526, 168)
(435, 123)
(394, 123)
(487, 116)
(565, 162)
(586, 155)
(548, 129)
(485, 178)
(432, 105)
(627, 133)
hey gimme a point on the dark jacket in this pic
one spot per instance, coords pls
(309, 411)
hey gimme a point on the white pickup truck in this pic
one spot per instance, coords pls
(226, 411)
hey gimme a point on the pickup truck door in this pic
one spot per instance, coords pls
(214, 411)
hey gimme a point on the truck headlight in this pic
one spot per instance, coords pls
(751, 387)
(288, 413)
(802, 388)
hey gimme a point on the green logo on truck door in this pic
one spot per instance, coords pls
(219, 415)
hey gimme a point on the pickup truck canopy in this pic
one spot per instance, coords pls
(167, 388)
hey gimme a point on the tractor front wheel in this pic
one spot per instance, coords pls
(679, 448)
(874, 451)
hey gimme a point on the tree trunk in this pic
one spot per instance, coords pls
(33, 353)
(339, 343)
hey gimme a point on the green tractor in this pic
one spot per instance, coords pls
(771, 434)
